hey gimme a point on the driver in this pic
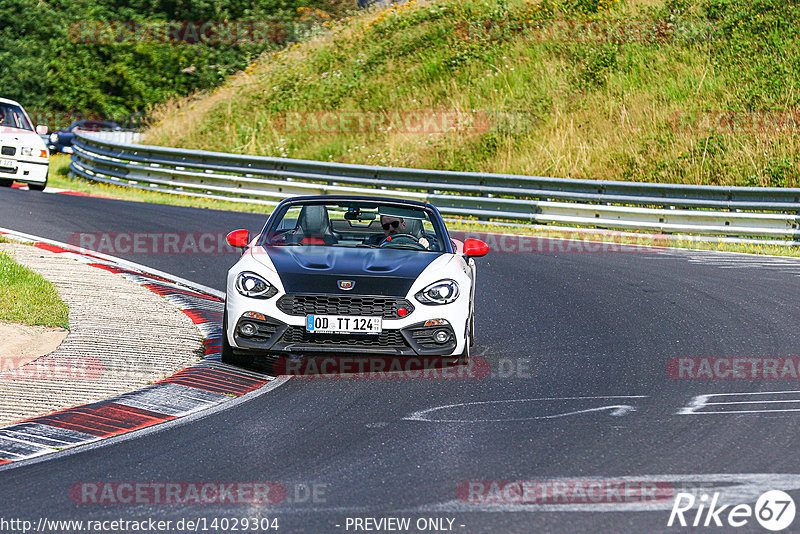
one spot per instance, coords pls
(392, 225)
(396, 225)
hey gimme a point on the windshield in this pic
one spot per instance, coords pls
(12, 116)
(355, 224)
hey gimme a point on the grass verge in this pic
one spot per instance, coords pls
(26, 297)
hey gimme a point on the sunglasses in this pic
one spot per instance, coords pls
(393, 224)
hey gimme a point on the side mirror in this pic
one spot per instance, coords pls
(42, 129)
(238, 239)
(475, 248)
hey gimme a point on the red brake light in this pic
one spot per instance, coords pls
(238, 238)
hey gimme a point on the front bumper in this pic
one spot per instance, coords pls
(25, 171)
(285, 312)
(276, 337)
(56, 148)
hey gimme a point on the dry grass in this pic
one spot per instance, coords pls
(597, 110)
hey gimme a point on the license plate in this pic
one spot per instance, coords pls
(10, 163)
(342, 324)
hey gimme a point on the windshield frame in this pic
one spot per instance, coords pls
(433, 215)
(16, 108)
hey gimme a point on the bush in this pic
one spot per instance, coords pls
(48, 69)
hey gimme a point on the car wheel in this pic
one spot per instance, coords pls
(37, 187)
(6, 183)
(226, 354)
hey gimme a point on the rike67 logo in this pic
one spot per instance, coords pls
(774, 510)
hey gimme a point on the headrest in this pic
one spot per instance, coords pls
(414, 227)
(313, 220)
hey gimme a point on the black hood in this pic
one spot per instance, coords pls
(316, 269)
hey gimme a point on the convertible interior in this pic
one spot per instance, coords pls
(317, 225)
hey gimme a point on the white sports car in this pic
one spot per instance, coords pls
(350, 275)
(23, 154)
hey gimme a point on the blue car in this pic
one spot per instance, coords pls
(61, 140)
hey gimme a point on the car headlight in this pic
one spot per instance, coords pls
(441, 292)
(54, 137)
(254, 286)
(26, 151)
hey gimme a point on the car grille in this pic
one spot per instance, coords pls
(8, 150)
(387, 338)
(363, 305)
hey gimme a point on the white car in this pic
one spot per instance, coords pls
(338, 275)
(23, 154)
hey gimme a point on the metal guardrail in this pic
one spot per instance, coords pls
(115, 136)
(665, 208)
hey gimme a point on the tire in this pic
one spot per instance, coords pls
(463, 358)
(472, 327)
(37, 187)
(4, 182)
(226, 354)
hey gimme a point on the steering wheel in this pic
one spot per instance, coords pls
(401, 239)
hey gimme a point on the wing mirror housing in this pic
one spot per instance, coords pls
(238, 239)
(475, 248)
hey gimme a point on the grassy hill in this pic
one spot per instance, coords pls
(692, 91)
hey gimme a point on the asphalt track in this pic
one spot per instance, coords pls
(578, 344)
